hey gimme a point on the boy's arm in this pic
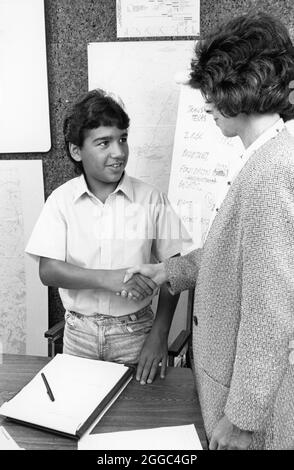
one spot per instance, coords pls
(155, 348)
(58, 273)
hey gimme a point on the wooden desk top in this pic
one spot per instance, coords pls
(168, 402)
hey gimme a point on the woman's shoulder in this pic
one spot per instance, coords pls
(271, 163)
(278, 150)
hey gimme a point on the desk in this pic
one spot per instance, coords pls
(168, 402)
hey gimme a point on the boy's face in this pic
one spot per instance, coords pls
(104, 154)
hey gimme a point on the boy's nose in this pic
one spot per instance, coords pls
(117, 150)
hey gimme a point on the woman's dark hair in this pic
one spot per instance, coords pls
(94, 109)
(246, 66)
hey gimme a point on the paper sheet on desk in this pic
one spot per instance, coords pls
(167, 438)
(6, 441)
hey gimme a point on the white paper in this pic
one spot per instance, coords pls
(24, 103)
(6, 441)
(144, 75)
(146, 18)
(164, 438)
(78, 386)
(202, 161)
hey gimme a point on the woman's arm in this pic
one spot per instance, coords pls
(180, 272)
(267, 318)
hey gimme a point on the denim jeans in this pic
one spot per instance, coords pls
(108, 338)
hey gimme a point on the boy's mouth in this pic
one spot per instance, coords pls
(116, 165)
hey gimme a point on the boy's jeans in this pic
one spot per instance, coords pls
(108, 338)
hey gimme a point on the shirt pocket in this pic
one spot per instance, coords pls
(137, 251)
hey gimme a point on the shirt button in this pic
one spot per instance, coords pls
(229, 182)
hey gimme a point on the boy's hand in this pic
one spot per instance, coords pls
(137, 288)
(154, 351)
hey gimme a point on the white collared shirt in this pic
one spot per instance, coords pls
(135, 223)
(268, 134)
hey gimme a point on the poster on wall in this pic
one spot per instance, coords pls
(203, 160)
(157, 18)
(23, 299)
(24, 107)
(146, 83)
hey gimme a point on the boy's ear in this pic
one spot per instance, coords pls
(75, 152)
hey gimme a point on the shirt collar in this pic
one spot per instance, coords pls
(268, 134)
(125, 186)
(81, 188)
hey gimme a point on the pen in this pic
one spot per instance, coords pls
(49, 391)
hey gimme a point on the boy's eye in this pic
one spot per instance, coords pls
(124, 139)
(103, 143)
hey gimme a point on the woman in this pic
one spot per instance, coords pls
(244, 275)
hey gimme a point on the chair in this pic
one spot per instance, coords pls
(55, 335)
(184, 338)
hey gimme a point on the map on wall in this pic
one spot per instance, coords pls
(144, 74)
(23, 299)
(146, 18)
(12, 269)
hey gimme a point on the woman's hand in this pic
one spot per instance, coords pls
(156, 272)
(227, 436)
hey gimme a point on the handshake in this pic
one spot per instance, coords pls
(139, 282)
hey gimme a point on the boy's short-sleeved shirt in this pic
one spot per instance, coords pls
(135, 225)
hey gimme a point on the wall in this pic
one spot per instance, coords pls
(70, 26)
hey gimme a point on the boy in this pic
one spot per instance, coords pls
(91, 229)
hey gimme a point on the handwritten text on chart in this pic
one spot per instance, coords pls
(192, 135)
(190, 154)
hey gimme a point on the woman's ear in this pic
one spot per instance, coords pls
(75, 152)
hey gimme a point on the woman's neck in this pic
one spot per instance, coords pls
(252, 126)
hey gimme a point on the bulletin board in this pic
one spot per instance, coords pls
(70, 27)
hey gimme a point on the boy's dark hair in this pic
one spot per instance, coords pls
(246, 66)
(94, 109)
